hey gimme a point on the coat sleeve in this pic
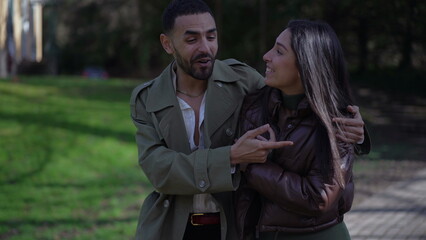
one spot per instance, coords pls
(365, 146)
(309, 194)
(172, 172)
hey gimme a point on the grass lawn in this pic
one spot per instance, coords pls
(68, 160)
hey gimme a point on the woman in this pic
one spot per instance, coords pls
(301, 191)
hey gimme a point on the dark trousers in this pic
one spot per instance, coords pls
(204, 232)
(337, 232)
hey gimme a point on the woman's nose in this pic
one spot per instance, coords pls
(266, 57)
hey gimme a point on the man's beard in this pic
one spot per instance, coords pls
(197, 73)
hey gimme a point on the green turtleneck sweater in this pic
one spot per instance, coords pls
(291, 101)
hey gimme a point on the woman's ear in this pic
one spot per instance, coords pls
(166, 43)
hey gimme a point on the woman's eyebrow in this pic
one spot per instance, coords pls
(282, 45)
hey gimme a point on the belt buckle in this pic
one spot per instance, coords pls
(196, 214)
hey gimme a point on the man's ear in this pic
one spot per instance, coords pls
(166, 42)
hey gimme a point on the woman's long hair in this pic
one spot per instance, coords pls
(323, 72)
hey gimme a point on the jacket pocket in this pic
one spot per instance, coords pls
(152, 216)
(148, 205)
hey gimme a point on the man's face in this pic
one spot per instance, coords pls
(194, 44)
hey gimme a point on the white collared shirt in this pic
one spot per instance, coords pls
(189, 119)
(202, 203)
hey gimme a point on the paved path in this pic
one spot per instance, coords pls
(398, 212)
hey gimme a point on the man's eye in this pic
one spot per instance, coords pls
(211, 37)
(191, 40)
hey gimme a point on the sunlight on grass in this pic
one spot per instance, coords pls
(68, 160)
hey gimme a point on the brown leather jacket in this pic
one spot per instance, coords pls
(294, 190)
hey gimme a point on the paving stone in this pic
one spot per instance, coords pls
(398, 212)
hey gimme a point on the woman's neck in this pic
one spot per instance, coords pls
(292, 101)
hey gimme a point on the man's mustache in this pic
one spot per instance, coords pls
(200, 56)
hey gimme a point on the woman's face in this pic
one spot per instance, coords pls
(281, 70)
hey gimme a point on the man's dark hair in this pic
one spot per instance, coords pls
(177, 8)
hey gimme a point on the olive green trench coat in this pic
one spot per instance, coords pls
(165, 157)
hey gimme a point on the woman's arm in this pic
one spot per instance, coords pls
(310, 194)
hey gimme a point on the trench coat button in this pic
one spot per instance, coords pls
(202, 184)
(166, 203)
(229, 132)
(219, 84)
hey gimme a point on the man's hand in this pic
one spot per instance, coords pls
(253, 148)
(353, 128)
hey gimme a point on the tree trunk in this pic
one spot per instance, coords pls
(143, 46)
(406, 50)
(218, 16)
(262, 30)
(362, 44)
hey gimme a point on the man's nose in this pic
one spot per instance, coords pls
(204, 46)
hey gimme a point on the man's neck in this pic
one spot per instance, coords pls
(188, 85)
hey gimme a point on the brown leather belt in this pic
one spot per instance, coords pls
(200, 219)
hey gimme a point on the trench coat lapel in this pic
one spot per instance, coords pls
(163, 103)
(221, 100)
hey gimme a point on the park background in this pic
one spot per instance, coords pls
(68, 160)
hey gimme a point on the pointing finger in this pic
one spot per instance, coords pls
(274, 145)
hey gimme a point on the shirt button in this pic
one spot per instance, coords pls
(290, 125)
(229, 132)
(166, 203)
(202, 184)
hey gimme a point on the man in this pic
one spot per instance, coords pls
(186, 122)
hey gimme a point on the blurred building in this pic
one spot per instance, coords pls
(20, 34)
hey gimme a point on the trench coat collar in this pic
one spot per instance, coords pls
(221, 100)
(163, 86)
(162, 93)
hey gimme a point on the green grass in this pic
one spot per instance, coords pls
(68, 160)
